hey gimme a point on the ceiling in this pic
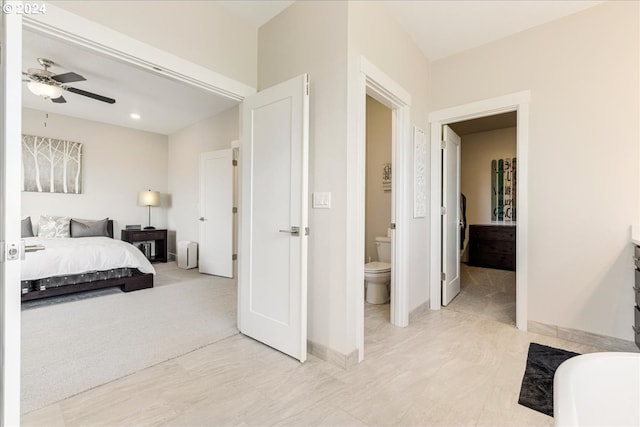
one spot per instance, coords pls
(484, 124)
(440, 28)
(165, 105)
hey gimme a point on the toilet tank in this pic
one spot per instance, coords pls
(383, 247)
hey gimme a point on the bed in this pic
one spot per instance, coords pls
(63, 265)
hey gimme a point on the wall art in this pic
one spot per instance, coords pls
(51, 165)
(419, 173)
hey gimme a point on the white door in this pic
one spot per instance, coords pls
(451, 216)
(10, 155)
(272, 269)
(216, 213)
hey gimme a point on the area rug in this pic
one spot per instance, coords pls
(537, 385)
(77, 345)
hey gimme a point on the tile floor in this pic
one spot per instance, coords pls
(487, 292)
(448, 368)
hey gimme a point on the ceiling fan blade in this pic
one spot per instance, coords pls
(59, 100)
(90, 95)
(68, 78)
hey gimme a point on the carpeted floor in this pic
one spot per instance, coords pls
(79, 344)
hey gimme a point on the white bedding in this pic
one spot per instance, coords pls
(64, 256)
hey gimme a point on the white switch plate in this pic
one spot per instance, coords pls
(321, 200)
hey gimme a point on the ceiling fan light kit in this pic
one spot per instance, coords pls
(44, 90)
(43, 82)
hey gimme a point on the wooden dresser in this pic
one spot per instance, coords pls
(636, 288)
(492, 246)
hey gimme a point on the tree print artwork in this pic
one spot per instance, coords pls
(51, 165)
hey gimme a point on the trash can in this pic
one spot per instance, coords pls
(187, 254)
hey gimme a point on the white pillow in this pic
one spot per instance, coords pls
(53, 226)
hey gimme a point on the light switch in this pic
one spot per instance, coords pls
(321, 200)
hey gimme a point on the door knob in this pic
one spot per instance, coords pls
(295, 231)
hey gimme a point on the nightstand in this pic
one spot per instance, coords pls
(159, 237)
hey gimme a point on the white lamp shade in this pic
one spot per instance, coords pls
(149, 198)
(45, 90)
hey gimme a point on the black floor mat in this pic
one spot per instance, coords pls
(537, 385)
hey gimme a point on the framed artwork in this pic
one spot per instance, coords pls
(51, 165)
(386, 177)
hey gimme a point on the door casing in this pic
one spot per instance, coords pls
(10, 163)
(375, 83)
(518, 102)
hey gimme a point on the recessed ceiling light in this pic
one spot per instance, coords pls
(135, 116)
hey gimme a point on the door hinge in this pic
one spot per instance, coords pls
(306, 84)
(306, 231)
(234, 162)
(443, 210)
(443, 144)
(443, 276)
(234, 210)
(234, 257)
(392, 226)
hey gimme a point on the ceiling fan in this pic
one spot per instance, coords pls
(44, 83)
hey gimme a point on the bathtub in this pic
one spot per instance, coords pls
(598, 389)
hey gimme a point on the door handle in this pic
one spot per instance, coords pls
(295, 231)
(202, 218)
(33, 248)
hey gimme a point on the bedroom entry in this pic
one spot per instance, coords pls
(272, 262)
(516, 102)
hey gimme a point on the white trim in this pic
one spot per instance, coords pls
(372, 81)
(67, 26)
(513, 102)
(11, 109)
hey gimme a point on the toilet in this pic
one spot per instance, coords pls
(377, 274)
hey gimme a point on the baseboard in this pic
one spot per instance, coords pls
(344, 361)
(582, 337)
(416, 312)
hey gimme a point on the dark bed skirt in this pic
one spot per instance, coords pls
(130, 279)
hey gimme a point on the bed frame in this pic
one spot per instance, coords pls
(128, 284)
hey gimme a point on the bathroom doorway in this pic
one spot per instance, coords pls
(488, 217)
(378, 209)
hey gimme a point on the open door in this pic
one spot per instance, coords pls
(272, 273)
(216, 213)
(450, 215)
(10, 245)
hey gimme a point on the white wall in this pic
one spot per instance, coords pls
(202, 32)
(374, 34)
(582, 71)
(117, 163)
(310, 37)
(378, 208)
(477, 152)
(300, 40)
(184, 149)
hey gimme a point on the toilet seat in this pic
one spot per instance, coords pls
(377, 267)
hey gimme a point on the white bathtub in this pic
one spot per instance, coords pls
(598, 389)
